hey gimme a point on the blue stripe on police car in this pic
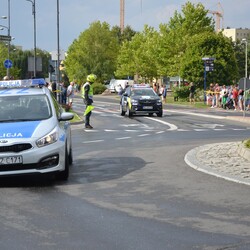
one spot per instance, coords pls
(18, 129)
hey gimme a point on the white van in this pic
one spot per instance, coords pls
(114, 83)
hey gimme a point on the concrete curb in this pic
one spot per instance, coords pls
(243, 151)
(191, 160)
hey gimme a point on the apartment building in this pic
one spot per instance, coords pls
(237, 34)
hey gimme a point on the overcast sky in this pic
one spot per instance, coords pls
(76, 15)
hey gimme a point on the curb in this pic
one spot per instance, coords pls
(191, 160)
(244, 151)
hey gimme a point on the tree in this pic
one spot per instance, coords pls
(95, 51)
(127, 34)
(139, 56)
(176, 35)
(209, 44)
(14, 71)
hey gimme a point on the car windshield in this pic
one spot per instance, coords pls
(24, 108)
(143, 92)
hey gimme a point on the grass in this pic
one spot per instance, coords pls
(76, 117)
(198, 104)
(247, 143)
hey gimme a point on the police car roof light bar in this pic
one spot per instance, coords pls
(40, 82)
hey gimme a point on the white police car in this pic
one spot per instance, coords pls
(35, 135)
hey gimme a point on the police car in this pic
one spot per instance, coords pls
(35, 135)
(140, 99)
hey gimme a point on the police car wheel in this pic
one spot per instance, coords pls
(64, 175)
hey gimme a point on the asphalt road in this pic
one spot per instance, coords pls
(129, 188)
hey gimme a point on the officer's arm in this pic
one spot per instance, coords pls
(86, 94)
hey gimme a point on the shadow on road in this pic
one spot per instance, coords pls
(103, 169)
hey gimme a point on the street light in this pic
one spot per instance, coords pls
(33, 2)
(8, 28)
(244, 40)
(1, 28)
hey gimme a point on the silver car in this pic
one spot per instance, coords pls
(35, 135)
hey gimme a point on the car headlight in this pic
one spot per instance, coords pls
(134, 102)
(48, 139)
(159, 102)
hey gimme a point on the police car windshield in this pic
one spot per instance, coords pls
(143, 92)
(24, 108)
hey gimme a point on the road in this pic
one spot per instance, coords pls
(129, 188)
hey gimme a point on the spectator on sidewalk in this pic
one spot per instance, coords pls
(191, 93)
(235, 97)
(70, 94)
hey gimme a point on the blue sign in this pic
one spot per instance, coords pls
(7, 63)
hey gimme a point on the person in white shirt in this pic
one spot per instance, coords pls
(70, 94)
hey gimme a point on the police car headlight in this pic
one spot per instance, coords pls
(134, 102)
(48, 139)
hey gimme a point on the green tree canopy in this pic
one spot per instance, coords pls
(139, 56)
(176, 35)
(95, 51)
(209, 44)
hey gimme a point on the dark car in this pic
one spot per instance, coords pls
(140, 99)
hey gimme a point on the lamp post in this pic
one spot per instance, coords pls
(244, 40)
(33, 2)
(8, 28)
(5, 27)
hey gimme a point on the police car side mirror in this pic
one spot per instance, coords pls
(66, 116)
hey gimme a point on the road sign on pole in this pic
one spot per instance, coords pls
(7, 63)
(5, 38)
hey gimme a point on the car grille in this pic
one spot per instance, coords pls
(15, 148)
(147, 102)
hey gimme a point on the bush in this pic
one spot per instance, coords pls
(182, 92)
(247, 143)
(99, 88)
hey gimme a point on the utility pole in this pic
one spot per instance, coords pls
(122, 4)
(33, 2)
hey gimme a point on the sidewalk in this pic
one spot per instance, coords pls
(227, 160)
(222, 160)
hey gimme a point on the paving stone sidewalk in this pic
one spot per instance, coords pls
(223, 160)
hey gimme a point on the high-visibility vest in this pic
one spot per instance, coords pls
(91, 92)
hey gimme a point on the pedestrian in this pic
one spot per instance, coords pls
(164, 93)
(191, 93)
(241, 99)
(87, 95)
(64, 93)
(70, 94)
(235, 94)
(247, 103)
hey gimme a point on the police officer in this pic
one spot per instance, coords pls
(87, 95)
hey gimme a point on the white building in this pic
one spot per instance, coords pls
(236, 34)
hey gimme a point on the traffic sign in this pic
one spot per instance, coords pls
(7, 63)
(5, 38)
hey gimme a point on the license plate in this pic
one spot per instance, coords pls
(147, 107)
(11, 160)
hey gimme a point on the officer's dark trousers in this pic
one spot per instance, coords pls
(87, 118)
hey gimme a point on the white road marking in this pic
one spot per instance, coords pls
(85, 142)
(123, 138)
(172, 126)
(143, 135)
(209, 125)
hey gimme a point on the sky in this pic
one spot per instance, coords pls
(75, 16)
